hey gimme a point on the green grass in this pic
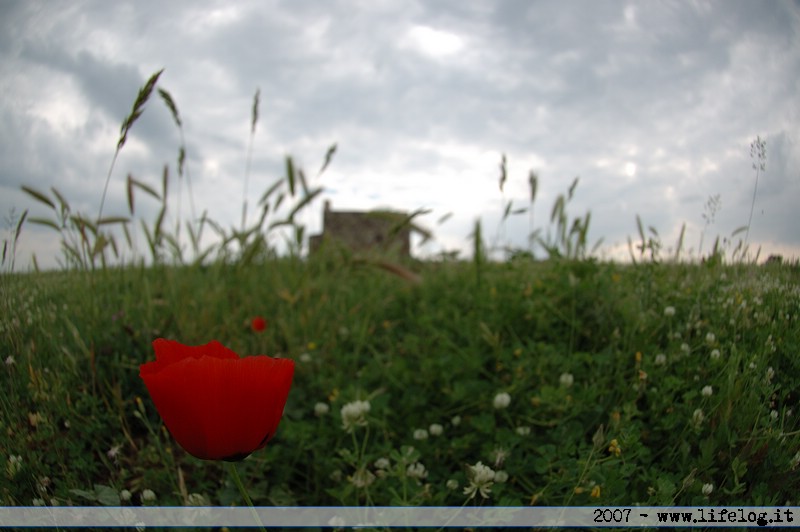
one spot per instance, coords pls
(437, 352)
(577, 382)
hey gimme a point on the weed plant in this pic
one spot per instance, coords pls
(560, 382)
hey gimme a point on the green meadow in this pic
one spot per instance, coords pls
(567, 381)
(651, 384)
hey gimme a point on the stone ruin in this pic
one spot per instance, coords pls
(387, 232)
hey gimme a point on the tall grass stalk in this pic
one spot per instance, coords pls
(758, 154)
(249, 157)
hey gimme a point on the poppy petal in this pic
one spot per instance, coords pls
(215, 406)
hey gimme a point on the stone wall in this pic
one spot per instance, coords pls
(382, 231)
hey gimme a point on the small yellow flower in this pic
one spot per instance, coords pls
(311, 346)
(596, 491)
(35, 418)
(536, 401)
(333, 395)
(578, 490)
(528, 290)
(614, 448)
(638, 357)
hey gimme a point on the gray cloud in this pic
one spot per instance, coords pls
(653, 105)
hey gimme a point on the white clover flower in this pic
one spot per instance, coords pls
(770, 374)
(661, 359)
(698, 416)
(420, 434)
(305, 358)
(685, 348)
(320, 409)
(39, 502)
(456, 421)
(416, 471)
(707, 391)
(523, 431)
(10, 361)
(715, 354)
(13, 465)
(382, 463)
(773, 415)
(795, 461)
(708, 488)
(500, 477)
(452, 484)
(196, 499)
(501, 400)
(44, 483)
(435, 429)
(500, 456)
(125, 495)
(711, 338)
(566, 380)
(669, 311)
(362, 478)
(113, 453)
(148, 496)
(354, 414)
(481, 478)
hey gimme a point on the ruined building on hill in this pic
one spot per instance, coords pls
(385, 232)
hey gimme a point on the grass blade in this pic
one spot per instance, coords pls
(270, 190)
(108, 220)
(303, 202)
(290, 173)
(328, 158)
(572, 187)
(170, 103)
(19, 227)
(503, 172)
(129, 189)
(533, 182)
(43, 221)
(39, 196)
(63, 203)
(145, 188)
(254, 114)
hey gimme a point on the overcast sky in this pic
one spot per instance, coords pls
(653, 104)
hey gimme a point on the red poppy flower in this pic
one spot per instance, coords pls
(216, 405)
(258, 324)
